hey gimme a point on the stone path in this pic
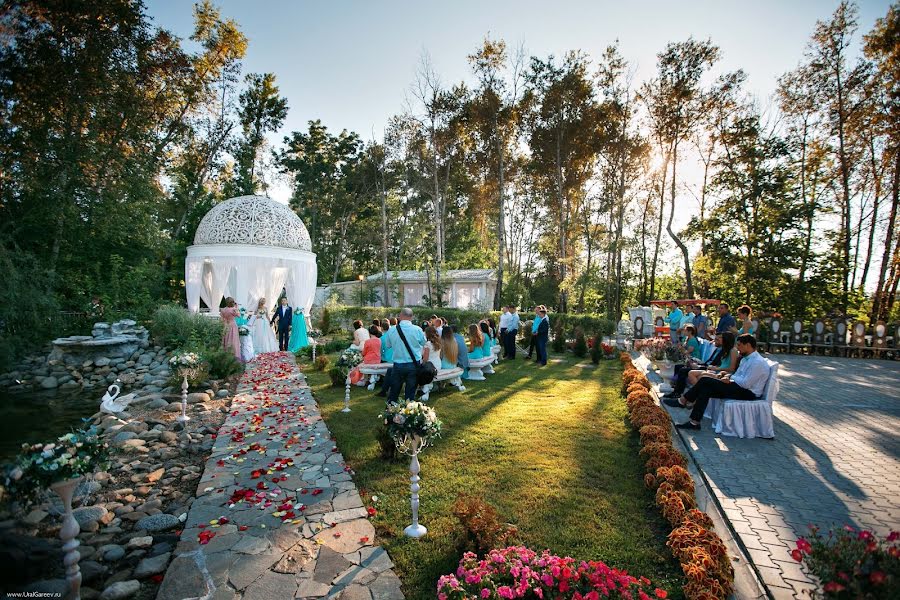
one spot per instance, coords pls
(835, 460)
(276, 513)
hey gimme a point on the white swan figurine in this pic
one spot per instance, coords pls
(111, 403)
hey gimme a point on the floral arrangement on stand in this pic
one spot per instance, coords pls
(314, 333)
(404, 422)
(852, 563)
(349, 359)
(676, 353)
(189, 365)
(77, 454)
(243, 331)
(517, 572)
(701, 552)
(653, 348)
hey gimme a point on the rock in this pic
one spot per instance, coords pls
(350, 532)
(155, 476)
(145, 360)
(121, 590)
(160, 522)
(152, 566)
(196, 397)
(49, 587)
(102, 362)
(271, 585)
(49, 383)
(250, 544)
(123, 436)
(222, 394)
(140, 542)
(168, 437)
(386, 587)
(173, 407)
(312, 589)
(111, 552)
(158, 403)
(91, 570)
(88, 514)
(294, 559)
(35, 516)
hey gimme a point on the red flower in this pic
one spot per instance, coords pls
(364, 540)
(205, 536)
(833, 587)
(157, 578)
(316, 492)
(804, 546)
(242, 528)
(797, 555)
(371, 510)
(893, 536)
(877, 577)
(255, 474)
(661, 593)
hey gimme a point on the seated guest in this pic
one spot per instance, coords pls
(462, 355)
(376, 323)
(488, 342)
(360, 335)
(495, 335)
(385, 325)
(432, 351)
(747, 383)
(691, 343)
(437, 323)
(746, 325)
(372, 347)
(689, 372)
(726, 321)
(729, 363)
(701, 322)
(393, 321)
(476, 342)
(449, 349)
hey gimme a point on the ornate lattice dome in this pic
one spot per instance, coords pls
(253, 220)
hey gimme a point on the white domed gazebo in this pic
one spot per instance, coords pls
(248, 248)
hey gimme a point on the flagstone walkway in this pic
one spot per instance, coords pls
(276, 513)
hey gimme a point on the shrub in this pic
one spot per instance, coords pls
(517, 572)
(559, 340)
(482, 523)
(322, 362)
(338, 377)
(176, 328)
(580, 348)
(654, 434)
(649, 415)
(851, 563)
(325, 324)
(386, 443)
(195, 380)
(222, 363)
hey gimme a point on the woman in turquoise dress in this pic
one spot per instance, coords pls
(476, 342)
(488, 338)
(298, 337)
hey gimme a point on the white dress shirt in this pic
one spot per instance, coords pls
(504, 320)
(753, 373)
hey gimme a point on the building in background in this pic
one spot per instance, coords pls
(463, 288)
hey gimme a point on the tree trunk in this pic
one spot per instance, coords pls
(659, 225)
(879, 302)
(562, 223)
(501, 220)
(876, 199)
(384, 239)
(845, 186)
(684, 250)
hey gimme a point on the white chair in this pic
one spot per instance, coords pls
(374, 371)
(479, 366)
(454, 376)
(746, 418)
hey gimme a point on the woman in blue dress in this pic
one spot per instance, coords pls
(488, 338)
(476, 342)
(298, 337)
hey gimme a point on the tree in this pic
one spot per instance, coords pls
(261, 110)
(675, 105)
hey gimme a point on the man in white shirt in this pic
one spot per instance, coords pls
(512, 330)
(504, 321)
(747, 383)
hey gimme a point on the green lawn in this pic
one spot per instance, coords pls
(549, 447)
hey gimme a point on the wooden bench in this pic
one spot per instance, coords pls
(746, 418)
(479, 366)
(454, 376)
(373, 371)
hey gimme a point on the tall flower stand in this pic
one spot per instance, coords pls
(183, 418)
(415, 530)
(68, 534)
(312, 342)
(347, 396)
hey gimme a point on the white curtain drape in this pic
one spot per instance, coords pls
(193, 283)
(215, 285)
(301, 285)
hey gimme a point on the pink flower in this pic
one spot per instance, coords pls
(833, 587)
(504, 591)
(804, 546)
(877, 577)
(893, 536)
(485, 593)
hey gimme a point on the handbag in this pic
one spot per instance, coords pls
(425, 372)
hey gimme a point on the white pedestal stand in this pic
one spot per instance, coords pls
(68, 532)
(183, 418)
(415, 530)
(347, 396)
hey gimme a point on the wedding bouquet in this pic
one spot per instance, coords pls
(676, 353)
(404, 422)
(314, 333)
(653, 348)
(243, 330)
(38, 466)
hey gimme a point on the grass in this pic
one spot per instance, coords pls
(548, 446)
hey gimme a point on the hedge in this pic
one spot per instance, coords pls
(342, 317)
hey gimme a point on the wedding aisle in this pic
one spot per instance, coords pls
(276, 513)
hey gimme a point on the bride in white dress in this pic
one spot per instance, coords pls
(263, 336)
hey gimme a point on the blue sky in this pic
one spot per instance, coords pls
(350, 64)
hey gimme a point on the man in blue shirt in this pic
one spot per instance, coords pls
(404, 370)
(701, 322)
(726, 321)
(674, 321)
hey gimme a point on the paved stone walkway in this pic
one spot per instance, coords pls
(276, 513)
(835, 460)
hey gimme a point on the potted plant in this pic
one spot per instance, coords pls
(60, 466)
(413, 426)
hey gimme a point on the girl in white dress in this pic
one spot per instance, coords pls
(263, 336)
(432, 347)
(243, 322)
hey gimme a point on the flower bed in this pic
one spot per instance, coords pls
(693, 541)
(517, 572)
(852, 563)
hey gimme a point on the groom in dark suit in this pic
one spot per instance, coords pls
(283, 315)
